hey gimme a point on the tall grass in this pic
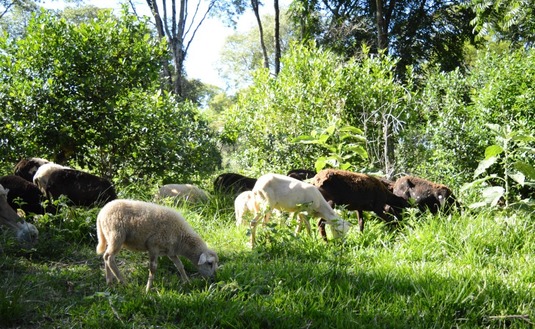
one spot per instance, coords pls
(468, 270)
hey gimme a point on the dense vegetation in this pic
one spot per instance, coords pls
(88, 94)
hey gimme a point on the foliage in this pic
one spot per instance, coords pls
(242, 54)
(87, 94)
(511, 21)
(502, 81)
(272, 112)
(417, 32)
(512, 153)
(344, 145)
(315, 90)
(441, 129)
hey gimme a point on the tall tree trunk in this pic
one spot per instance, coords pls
(255, 5)
(382, 34)
(277, 39)
(161, 34)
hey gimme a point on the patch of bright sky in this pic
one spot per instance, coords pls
(205, 49)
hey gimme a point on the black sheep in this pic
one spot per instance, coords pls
(81, 188)
(301, 174)
(426, 194)
(233, 183)
(24, 195)
(358, 192)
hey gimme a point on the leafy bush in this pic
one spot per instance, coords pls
(88, 95)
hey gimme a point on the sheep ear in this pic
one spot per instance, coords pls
(202, 259)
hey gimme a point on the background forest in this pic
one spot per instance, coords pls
(439, 89)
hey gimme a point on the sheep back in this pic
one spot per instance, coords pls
(290, 194)
(183, 192)
(233, 183)
(355, 190)
(144, 226)
(81, 188)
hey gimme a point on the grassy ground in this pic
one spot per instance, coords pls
(473, 270)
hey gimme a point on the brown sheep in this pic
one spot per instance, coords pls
(27, 193)
(358, 192)
(426, 194)
(27, 167)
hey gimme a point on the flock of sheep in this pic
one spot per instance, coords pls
(162, 231)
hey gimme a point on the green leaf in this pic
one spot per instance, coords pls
(320, 164)
(361, 151)
(518, 177)
(493, 194)
(483, 165)
(353, 130)
(492, 151)
(526, 169)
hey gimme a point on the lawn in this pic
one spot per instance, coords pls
(468, 270)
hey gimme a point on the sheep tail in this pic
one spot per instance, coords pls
(101, 247)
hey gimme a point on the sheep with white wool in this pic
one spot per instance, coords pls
(26, 233)
(274, 191)
(182, 192)
(244, 204)
(159, 230)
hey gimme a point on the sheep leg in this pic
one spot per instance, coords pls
(360, 217)
(153, 264)
(111, 266)
(321, 228)
(180, 267)
(303, 219)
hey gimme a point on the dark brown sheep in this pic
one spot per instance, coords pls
(27, 167)
(81, 188)
(426, 194)
(358, 192)
(233, 183)
(27, 193)
(301, 174)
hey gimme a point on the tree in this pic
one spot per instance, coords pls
(415, 31)
(179, 30)
(505, 20)
(87, 95)
(242, 54)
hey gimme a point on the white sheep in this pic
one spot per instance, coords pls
(144, 226)
(182, 192)
(26, 233)
(244, 204)
(274, 191)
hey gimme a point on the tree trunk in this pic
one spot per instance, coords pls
(277, 39)
(167, 76)
(382, 35)
(255, 5)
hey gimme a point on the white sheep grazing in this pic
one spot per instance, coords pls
(274, 191)
(182, 192)
(144, 226)
(243, 204)
(26, 233)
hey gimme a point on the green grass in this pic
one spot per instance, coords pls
(469, 271)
